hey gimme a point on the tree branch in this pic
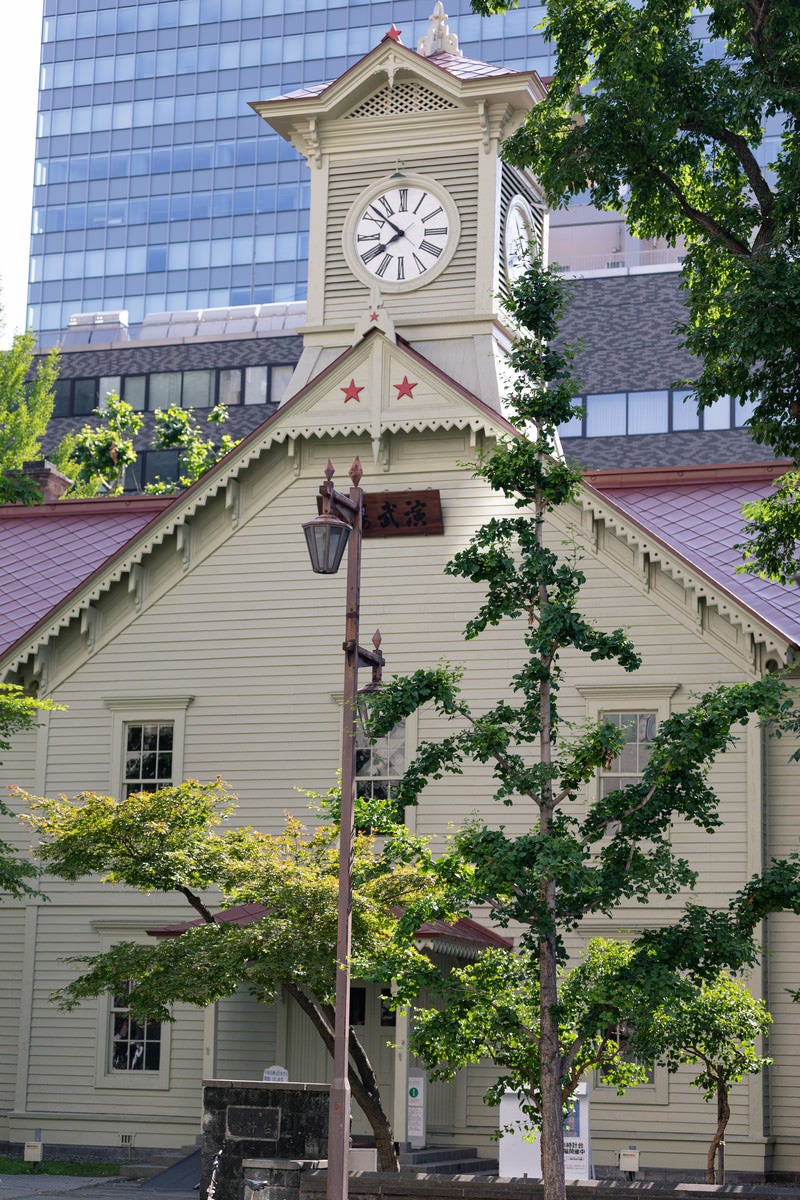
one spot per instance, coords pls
(713, 228)
(198, 905)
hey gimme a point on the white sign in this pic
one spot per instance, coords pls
(275, 1075)
(520, 1157)
(416, 1096)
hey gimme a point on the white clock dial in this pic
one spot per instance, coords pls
(519, 237)
(401, 233)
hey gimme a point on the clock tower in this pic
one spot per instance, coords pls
(417, 225)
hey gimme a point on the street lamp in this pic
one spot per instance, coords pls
(339, 525)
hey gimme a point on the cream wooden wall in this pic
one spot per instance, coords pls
(233, 618)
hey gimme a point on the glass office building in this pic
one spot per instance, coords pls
(157, 188)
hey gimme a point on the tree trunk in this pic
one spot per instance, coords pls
(363, 1084)
(552, 1143)
(716, 1151)
(552, 1137)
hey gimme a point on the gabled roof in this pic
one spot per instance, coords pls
(464, 937)
(455, 75)
(696, 513)
(49, 550)
(454, 64)
(317, 410)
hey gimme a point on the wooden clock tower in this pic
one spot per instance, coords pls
(416, 224)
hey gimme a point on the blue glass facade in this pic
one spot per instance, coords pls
(157, 188)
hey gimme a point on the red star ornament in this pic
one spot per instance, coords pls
(394, 33)
(351, 392)
(405, 388)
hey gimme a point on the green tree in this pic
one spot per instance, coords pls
(641, 118)
(717, 1027)
(17, 713)
(26, 405)
(177, 428)
(170, 841)
(490, 1010)
(98, 455)
(578, 857)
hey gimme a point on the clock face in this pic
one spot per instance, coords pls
(520, 239)
(403, 235)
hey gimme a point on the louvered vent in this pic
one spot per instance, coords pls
(402, 98)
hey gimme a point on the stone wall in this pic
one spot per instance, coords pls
(246, 1120)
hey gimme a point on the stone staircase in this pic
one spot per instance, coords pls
(447, 1160)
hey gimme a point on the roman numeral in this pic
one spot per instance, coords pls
(368, 216)
(403, 199)
(386, 206)
(436, 231)
(382, 265)
(401, 267)
(429, 248)
(373, 252)
(421, 201)
(368, 237)
(435, 212)
(420, 264)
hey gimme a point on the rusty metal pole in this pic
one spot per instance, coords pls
(339, 1122)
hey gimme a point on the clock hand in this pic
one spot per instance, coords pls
(384, 218)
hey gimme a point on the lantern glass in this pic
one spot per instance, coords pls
(326, 538)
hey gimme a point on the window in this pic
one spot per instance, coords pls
(613, 414)
(134, 1045)
(653, 1090)
(380, 767)
(130, 1054)
(147, 742)
(638, 730)
(624, 1033)
(148, 756)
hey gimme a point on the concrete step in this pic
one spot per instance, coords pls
(447, 1160)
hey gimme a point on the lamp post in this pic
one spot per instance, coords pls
(339, 526)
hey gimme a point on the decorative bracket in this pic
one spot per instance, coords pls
(183, 543)
(232, 497)
(391, 67)
(486, 125)
(136, 584)
(41, 667)
(89, 625)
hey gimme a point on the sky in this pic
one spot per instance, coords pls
(19, 76)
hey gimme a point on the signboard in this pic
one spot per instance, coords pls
(416, 1096)
(520, 1157)
(248, 1122)
(403, 514)
(275, 1075)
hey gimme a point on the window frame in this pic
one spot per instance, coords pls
(631, 698)
(127, 710)
(110, 934)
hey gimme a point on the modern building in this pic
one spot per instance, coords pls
(157, 188)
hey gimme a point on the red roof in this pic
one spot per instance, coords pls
(696, 511)
(464, 931)
(48, 550)
(454, 64)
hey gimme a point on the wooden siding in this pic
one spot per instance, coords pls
(244, 628)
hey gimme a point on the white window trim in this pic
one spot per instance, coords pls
(629, 697)
(111, 933)
(125, 709)
(412, 741)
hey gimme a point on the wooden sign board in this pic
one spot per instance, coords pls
(403, 514)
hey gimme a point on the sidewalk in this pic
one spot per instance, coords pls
(53, 1187)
